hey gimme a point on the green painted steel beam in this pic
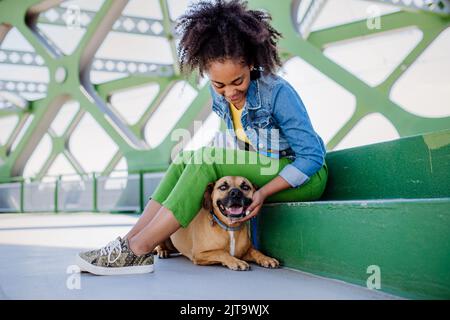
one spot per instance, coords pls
(57, 94)
(168, 27)
(389, 22)
(159, 158)
(428, 24)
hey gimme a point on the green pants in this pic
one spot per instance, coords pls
(182, 188)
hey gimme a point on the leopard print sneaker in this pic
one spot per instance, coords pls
(116, 258)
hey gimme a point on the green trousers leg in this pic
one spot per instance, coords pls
(182, 188)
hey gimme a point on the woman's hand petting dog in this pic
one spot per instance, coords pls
(256, 205)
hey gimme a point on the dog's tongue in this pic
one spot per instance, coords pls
(234, 210)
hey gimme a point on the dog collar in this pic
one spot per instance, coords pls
(223, 225)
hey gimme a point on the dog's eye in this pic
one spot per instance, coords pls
(245, 187)
(224, 187)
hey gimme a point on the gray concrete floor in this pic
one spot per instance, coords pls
(37, 254)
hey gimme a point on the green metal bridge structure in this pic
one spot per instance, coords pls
(387, 204)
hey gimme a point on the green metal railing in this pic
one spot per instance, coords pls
(74, 193)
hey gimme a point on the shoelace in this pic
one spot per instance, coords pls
(113, 246)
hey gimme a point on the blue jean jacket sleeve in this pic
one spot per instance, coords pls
(294, 123)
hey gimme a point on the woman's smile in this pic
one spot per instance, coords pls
(235, 98)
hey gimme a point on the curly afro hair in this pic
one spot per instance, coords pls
(216, 30)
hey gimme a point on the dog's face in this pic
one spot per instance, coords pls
(229, 197)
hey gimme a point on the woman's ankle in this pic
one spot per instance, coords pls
(128, 236)
(136, 248)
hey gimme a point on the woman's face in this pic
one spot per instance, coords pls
(231, 79)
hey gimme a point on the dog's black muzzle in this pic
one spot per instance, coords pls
(235, 198)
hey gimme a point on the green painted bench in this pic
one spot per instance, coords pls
(386, 208)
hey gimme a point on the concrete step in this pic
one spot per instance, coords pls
(413, 167)
(406, 240)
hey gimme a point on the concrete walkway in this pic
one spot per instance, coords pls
(37, 255)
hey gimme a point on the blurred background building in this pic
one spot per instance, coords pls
(90, 91)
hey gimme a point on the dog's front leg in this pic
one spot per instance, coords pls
(220, 256)
(254, 255)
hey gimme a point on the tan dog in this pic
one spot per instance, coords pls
(214, 236)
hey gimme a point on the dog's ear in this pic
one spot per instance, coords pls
(255, 186)
(207, 196)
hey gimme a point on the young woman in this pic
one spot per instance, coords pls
(236, 48)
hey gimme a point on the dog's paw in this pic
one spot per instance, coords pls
(268, 262)
(162, 253)
(237, 265)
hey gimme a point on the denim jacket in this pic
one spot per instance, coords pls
(272, 103)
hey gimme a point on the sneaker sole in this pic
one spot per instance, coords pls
(103, 271)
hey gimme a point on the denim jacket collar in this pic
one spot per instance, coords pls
(253, 95)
